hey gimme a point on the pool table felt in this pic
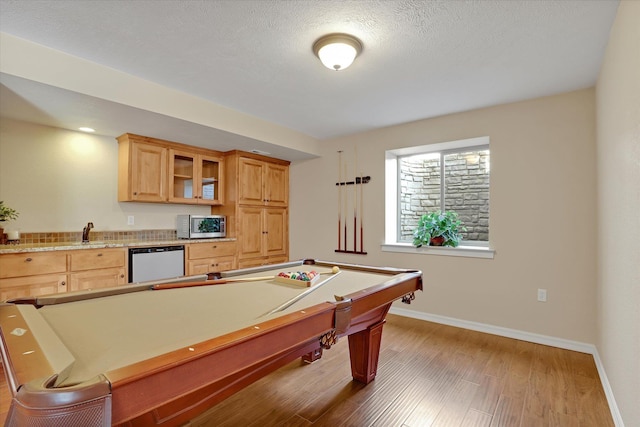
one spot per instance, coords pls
(104, 334)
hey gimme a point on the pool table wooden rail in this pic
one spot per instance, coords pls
(174, 387)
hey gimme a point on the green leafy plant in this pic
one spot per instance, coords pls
(438, 229)
(6, 213)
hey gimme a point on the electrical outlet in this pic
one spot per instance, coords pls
(130, 220)
(542, 295)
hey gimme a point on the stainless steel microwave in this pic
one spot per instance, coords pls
(201, 226)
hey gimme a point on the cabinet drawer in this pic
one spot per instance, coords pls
(30, 264)
(91, 259)
(211, 250)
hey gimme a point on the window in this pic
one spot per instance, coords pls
(451, 176)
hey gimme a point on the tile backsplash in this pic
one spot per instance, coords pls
(107, 236)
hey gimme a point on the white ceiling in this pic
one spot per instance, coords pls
(421, 58)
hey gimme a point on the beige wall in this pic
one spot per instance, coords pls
(618, 148)
(59, 180)
(543, 221)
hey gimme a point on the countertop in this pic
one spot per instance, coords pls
(70, 246)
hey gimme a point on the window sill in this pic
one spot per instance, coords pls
(462, 251)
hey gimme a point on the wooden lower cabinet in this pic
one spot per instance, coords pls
(262, 235)
(96, 279)
(210, 265)
(97, 268)
(211, 257)
(33, 274)
(32, 286)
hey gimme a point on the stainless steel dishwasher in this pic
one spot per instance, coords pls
(155, 263)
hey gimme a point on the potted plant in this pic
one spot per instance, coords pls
(6, 214)
(438, 229)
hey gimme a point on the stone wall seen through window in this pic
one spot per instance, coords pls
(466, 191)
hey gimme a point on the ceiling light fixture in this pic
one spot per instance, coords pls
(90, 130)
(337, 51)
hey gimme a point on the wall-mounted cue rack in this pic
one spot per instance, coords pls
(344, 209)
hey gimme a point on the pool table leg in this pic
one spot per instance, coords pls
(364, 349)
(313, 356)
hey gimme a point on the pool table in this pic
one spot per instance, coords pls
(160, 355)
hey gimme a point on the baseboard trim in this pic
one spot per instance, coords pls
(613, 406)
(525, 336)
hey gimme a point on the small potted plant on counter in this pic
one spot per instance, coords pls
(6, 214)
(438, 229)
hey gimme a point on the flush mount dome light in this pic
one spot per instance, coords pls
(337, 51)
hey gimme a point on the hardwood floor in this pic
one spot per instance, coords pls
(428, 375)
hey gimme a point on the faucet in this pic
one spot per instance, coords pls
(85, 232)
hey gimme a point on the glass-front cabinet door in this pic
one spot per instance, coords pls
(194, 178)
(210, 190)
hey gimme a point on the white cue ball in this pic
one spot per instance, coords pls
(335, 269)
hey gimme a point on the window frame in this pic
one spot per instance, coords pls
(393, 203)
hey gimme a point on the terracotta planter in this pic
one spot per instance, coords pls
(437, 241)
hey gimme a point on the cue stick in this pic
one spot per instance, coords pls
(339, 198)
(345, 206)
(300, 296)
(361, 213)
(161, 286)
(355, 198)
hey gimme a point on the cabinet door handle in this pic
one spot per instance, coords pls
(122, 276)
(100, 254)
(29, 259)
(63, 283)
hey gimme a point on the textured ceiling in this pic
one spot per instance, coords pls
(421, 58)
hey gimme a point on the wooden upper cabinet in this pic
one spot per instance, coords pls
(251, 181)
(153, 170)
(195, 178)
(142, 171)
(262, 183)
(277, 185)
